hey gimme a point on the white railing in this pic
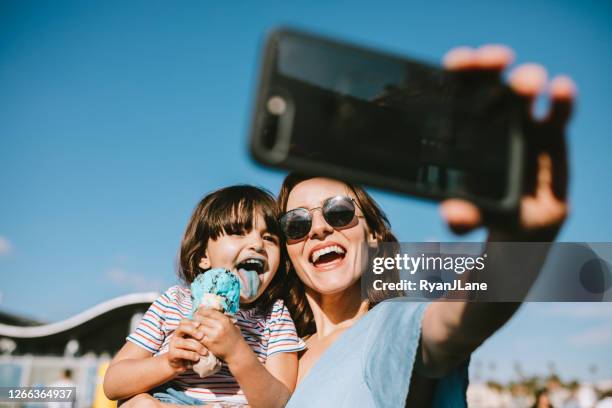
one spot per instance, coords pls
(39, 371)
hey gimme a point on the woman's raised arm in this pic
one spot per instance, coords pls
(452, 330)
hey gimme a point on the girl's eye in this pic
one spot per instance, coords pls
(271, 238)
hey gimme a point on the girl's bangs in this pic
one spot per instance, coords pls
(238, 218)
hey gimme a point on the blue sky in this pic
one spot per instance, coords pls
(116, 117)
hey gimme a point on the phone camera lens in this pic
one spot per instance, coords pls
(276, 105)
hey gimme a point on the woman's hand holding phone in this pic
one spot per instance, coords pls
(452, 330)
(544, 207)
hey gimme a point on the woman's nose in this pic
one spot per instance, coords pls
(320, 228)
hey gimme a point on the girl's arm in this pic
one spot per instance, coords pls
(135, 370)
(452, 330)
(269, 386)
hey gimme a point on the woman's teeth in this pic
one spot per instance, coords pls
(323, 251)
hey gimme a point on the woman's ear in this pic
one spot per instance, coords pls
(372, 239)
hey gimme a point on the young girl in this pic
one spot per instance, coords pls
(235, 228)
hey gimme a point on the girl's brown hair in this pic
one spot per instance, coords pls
(378, 224)
(231, 210)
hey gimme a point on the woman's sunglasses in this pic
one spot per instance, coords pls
(338, 212)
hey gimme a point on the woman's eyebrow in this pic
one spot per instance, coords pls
(308, 207)
(296, 207)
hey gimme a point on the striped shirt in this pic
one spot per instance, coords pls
(266, 334)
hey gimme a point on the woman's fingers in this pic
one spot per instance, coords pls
(562, 87)
(494, 56)
(545, 206)
(460, 215)
(528, 79)
(459, 58)
(544, 209)
(544, 177)
(488, 57)
(562, 91)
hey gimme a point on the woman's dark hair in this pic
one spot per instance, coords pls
(377, 223)
(231, 210)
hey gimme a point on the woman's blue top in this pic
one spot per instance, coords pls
(371, 363)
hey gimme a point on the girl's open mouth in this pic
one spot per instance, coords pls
(250, 274)
(252, 264)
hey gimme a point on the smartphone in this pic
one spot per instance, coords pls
(329, 108)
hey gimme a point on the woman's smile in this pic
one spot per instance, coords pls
(327, 255)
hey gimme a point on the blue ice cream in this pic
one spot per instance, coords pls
(220, 282)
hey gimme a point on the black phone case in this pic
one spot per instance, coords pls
(277, 152)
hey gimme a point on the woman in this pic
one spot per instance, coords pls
(393, 354)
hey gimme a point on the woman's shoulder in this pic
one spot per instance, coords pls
(386, 325)
(397, 309)
(372, 360)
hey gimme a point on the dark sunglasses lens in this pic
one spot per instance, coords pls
(296, 224)
(339, 211)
